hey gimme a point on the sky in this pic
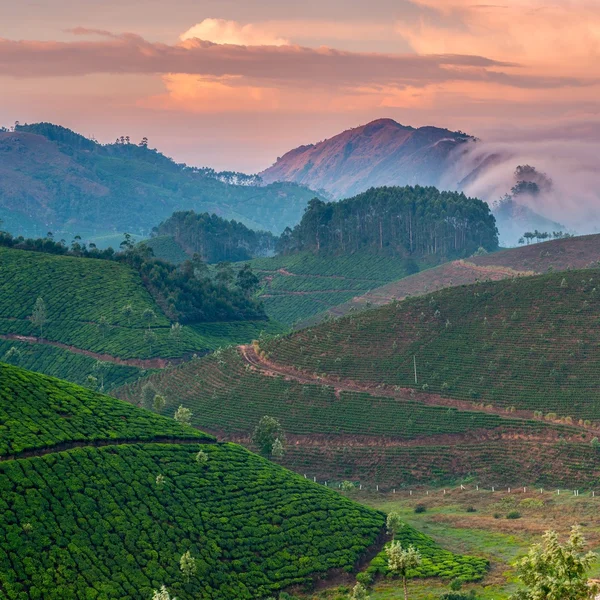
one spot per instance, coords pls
(233, 84)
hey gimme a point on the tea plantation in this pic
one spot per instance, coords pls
(300, 285)
(100, 307)
(386, 440)
(37, 411)
(113, 521)
(528, 343)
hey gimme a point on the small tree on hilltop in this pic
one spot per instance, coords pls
(183, 415)
(267, 431)
(188, 566)
(39, 317)
(401, 561)
(394, 524)
(555, 571)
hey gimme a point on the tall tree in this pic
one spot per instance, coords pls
(39, 317)
(401, 561)
(266, 433)
(555, 571)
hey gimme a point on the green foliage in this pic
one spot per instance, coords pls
(513, 514)
(555, 571)
(267, 433)
(359, 592)
(38, 412)
(39, 316)
(431, 222)
(251, 527)
(216, 239)
(164, 247)
(394, 523)
(183, 415)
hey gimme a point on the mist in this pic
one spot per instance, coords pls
(486, 170)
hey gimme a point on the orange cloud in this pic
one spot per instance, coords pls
(220, 31)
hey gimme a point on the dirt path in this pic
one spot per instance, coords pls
(62, 447)
(272, 369)
(152, 363)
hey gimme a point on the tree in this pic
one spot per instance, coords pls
(39, 317)
(127, 311)
(359, 592)
(148, 394)
(103, 326)
(247, 281)
(401, 561)
(183, 415)
(162, 594)
(394, 524)
(201, 457)
(160, 480)
(277, 450)
(91, 382)
(188, 566)
(149, 315)
(12, 353)
(266, 432)
(100, 368)
(175, 332)
(150, 337)
(225, 274)
(555, 571)
(159, 402)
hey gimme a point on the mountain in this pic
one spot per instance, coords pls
(101, 500)
(497, 381)
(52, 178)
(380, 153)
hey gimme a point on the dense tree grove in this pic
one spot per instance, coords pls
(216, 239)
(417, 221)
(186, 293)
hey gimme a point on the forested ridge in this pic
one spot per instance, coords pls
(418, 221)
(216, 239)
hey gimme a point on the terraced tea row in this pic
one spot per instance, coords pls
(527, 343)
(297, 286)
(39, 412)
(227, 395)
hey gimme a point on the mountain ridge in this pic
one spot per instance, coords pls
(398, 154)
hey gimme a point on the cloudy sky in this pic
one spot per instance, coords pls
(236, 83)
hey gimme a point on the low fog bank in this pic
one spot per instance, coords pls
(567, 177)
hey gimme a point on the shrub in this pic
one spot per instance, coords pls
(420, 508)
(513, 514)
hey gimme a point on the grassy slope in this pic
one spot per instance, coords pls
(109, 530)
(556, 255)
(78, 293)
(299, 286)
(527, 343)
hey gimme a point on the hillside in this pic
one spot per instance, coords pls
(81, 521)
(54, 179)
(377, 154)
(343, 249)
(506, 387)
(557, 255)
(95, 310)
(297, 286)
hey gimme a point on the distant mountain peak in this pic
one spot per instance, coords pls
(382, 152)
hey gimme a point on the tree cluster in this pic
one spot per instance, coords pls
(216, 239)
(409, 221)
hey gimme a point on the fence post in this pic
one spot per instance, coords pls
(315, 479)
(493, 490)
(377, 488)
